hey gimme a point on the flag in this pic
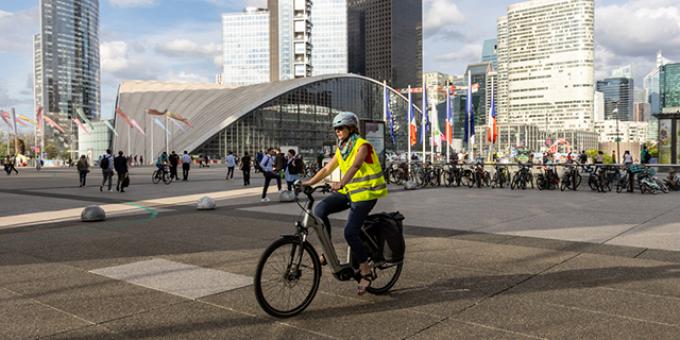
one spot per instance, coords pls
(123, 115)
(156, 112)
(178, 125)
(82, 116)
(158, 122)
(81, 125)
(179, 117)
(412, 121)
(108, 125)
(5, 117)
(449, 119)
(136, 126)
(426, 117)
(388, 113)
(469, 114)
(54, 125)
(26, 119)
(492, 128)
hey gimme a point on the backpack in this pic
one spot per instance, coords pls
(104, 163)
(295, 167)
(383, 236)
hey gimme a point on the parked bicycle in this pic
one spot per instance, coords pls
(649, 182)
(571, 179)
(289, 271)
(522, 178)
(501, 177)
(548, 179)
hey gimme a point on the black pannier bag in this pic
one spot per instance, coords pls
(383, 236)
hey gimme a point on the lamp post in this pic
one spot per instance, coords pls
(618, 137)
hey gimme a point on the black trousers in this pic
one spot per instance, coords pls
(230, 172)
(185, 171)
(108, 176)
(83, 177)
(121, 177)
(246, 176)
(173, 172)
(268, 176)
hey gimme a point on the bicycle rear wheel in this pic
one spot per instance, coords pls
(386, 278)
(281, 289)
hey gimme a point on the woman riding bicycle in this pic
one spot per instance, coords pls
(361, 185)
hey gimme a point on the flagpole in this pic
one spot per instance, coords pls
(152, 140)
(432, 143)
(408, 119)
(167, 131)
(449, 139)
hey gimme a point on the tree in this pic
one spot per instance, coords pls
(51, 151)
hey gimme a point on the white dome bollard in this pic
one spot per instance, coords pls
(93, 213)
(205, 203)
(410, 185)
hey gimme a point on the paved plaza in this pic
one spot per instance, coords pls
(480, 263)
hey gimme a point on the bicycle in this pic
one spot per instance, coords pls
(571, 179)
(522, 178)
(297, 268)
(161, 175)
(500, 177)
(548, 180)
(481, 176)
(452, 175)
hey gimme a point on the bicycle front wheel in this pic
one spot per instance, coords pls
(166, 178)
(285, 282)
(155, 178)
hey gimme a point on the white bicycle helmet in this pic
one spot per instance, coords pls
(345, 119)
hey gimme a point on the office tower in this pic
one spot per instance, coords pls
(290, 39)
(329, 33)
(669, 86)
(245, 47)
(618, 97)
(490, 52)
(67, 66)
(545, 57)
(385, 40)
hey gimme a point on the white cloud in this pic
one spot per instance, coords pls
(18, 29)
(468, 53)
(441, 15)
(632, 32)
(188, 48)
(133, 3)
(114, 56)
(187, 77)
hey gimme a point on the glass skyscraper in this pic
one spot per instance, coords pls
(670, 88)
(329, 37)
(67, 74)
(290, 43)
(385, 40)
(245, 47)
(489, 52)
(618, 95)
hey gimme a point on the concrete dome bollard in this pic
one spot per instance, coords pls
(410, 185)
(205, 203)
(93, 213)
(287, 196)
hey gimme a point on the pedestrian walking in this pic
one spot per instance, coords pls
(294, 167)
(5, 164)
(135, 161)
(186, 165)
(245, 167)
(13, 165)
(231, 164)
(206, 161)
(270, 172)
(83, 169)
(106, 164)
(174, 163)
(141, 160)
(121, 167)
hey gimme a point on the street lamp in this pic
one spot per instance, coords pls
(618, 137)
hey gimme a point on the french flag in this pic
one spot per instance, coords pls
(413, 130)
(492, 128)
(449, 116)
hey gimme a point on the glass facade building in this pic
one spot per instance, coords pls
(329, 37)
(489, 52)
(290, 42)
(670, 88)
(245, 47)
(295, 112)
(68, 55)
(619, 97)
(669, 118)
(385, 40)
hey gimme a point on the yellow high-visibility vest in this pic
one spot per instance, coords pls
(368, 183)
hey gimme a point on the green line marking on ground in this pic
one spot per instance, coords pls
(152, 212)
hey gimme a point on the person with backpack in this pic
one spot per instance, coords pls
(294, 167)
(121, 167)
(106, 164)
(258, 158)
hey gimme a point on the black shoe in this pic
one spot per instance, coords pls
(101, 188)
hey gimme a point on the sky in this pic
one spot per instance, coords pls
(180, 40)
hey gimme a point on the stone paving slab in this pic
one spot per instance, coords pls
(87, 333)
(176, 278)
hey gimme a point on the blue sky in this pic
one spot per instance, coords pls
(179, 40)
